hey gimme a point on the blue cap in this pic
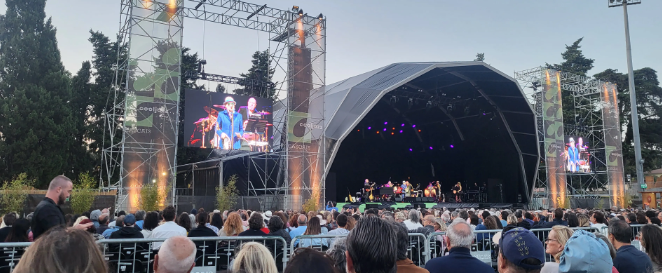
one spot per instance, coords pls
(129, 219)
(519, 244)
(584, 252)
(229, 99)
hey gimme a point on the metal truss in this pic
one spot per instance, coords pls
(588, 124)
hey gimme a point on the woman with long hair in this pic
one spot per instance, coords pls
(19, 231)
(572, 220)
(292, 223)
(151, 222)
(233, 226)
(651, 239)
(583, 220)
(254, 258)
(184, 221)
(314, 228)
(216, 223)
(63, 251)
(306, 260)
(556, 240)
(351, 223)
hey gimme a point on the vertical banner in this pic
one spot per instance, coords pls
(554, 138)
(613, 145)
(152, 98)
(305, 121)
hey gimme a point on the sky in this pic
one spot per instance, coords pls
(368, 34)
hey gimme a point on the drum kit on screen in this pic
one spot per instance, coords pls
(255, 130)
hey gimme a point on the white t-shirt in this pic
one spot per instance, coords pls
(167, 230)
(411, 225)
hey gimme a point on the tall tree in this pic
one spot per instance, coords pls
(35, 110)
(81, 87)
(480, 57)
(261, 71)
(649, 107)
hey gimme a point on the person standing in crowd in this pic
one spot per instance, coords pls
(572, 220)
(558, 219)
(585, 253)
(628, 258)
(129, 230)
(19, 232)
(176, 255)
(369, 250)
(459, 237)
(503, 218)
(63, 251)
(414, 220)
(254, 258)
(651, 242)
(556, 240)
(255, 224)
(404, 264)
(9, 220)
(48, 214)
(598, 220)
(520, 251)
(521, 222)
(307, 260)
(169, 228)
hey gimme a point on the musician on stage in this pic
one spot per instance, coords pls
(407, 188)
(430, 190)
(457, 189)
(366, 189)
(440, 195)
(388, 185)
(229, 126)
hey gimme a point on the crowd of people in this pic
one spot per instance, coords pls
(375, 240)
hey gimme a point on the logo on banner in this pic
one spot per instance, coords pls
(300, 128)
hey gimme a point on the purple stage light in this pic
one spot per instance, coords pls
(430, 147)
(483, 113)
(369, 127)
(401, 131)
(385, 122)
(402, 124)
(452, 146)
(413, 126)
(384, 129)
(410, 149)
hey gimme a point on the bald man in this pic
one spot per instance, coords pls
(48, 213)
(428, 226)
(302, 221)
(176, 255)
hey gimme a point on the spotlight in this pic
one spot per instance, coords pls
(401, 131)
(452, 146)
(393, 128)
(392, 133)
(385, 122)
(378, 132)
(300, 12)
(413, 126)
(320, 16)
(164, 173)
(430, 147)
(369, 127)
(384, 129)
(199, 4)
(295, 8)
(419, 130)
(359, 130)
(535, 86)
(153, 180)
(410, 149)
(402, 125)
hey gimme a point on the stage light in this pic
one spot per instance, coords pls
(369, 127)
(452, 146)
(419, 130)
(320, 16)
(199, 4)
(384, 129)
(402, 125)
(430, 147)
(410, 149)
(378, 132)
(401, 131)
(164, 173)
(295, 8)
(300, 12)
(413, 126)
(393, 128)
(392, 133)
(385, 122)
(359, 130)
(153, 180)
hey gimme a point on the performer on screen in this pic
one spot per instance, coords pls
(573, 156)
(457, 189)
(250, 111)
(229, 126)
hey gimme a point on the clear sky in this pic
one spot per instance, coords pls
(367, 34)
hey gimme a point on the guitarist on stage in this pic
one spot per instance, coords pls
(457, 190)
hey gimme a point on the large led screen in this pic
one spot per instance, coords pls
(227, 122)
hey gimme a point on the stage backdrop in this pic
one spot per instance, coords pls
(613, 145)
(254, 118)
(554, 138)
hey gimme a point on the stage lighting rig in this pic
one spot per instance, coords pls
(199, 4)
(535, 86)
(410, 102)
(300, 12)
(449, 107)
(295, 8)
(320, 16)
(618, 3)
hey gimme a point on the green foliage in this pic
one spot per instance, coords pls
(14, 194)
(480, 57)
(226, 198)
(36, 118)
(83, 194)
(261, 71)
(153, 197)
(313, 203)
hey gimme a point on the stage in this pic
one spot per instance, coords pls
(428, 205)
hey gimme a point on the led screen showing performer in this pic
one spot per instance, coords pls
(227, 122)
(576, 155)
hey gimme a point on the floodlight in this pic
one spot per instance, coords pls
(295, 8)
(300, 12)
(320, 16)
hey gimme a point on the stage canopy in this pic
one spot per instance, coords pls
(445, 121)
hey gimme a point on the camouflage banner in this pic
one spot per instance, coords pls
(555, 152)
(613, 144)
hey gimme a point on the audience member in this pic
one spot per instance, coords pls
(503, 217)
(255, 225)
(184, 221)
(520, 251)
(302, 222)
(128, 230)
(585, 253)
(254, 258)
(598, 220)
(307, 260)
(651, 242)
(151, 222)
(140, 218)
(628, 258)
(404, 264)
(641, 218)
(216, 222)
(176, 254)
(8, 220)
(48, 214)
(612, 250)
(414, 220)
(459, 237)
(521, 221)
(94, 216)
(555, 241)
(92, 230)
(371, 251)
(558, 219)
(427, 227)
(341, 221)
(572, 220)
(232, 226)
(63, 251)
(18, 232)
(314, 228)
(118, 224)
(103, 223)
(337, 252)
(169, 228)
(201, 230)
(276, 229)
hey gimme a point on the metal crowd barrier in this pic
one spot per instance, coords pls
(320, 242)
(418, 249)
(10, 254)
(635, 234)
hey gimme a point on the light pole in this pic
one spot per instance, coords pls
(639, 162)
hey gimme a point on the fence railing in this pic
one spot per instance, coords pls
(217, 253)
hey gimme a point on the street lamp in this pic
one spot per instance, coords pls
(639, 162)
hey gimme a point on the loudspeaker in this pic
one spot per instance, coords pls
(428, 199)
(330, 192)
(410, 199)
(419, 199)
(493, 191)
(371, 206)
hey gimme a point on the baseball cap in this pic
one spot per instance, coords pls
(519, 244)
(129, 219)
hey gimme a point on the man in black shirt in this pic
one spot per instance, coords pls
(48, 213)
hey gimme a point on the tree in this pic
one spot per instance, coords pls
(226, 198)
(153, 198)
(14, 194)
(261, 71)
(220, 88)
(35, 109)
(313, 203)
(480, 57)
(81, 158)
(83, 194)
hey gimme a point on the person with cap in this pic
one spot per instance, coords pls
(584, 252)
(94, 216)
(229, 126)
(267, 216)
(520, 251)
(128, 230)
(459, 237)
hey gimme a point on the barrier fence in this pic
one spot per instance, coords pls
(217, 253)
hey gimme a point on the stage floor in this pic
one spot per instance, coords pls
(429, 205)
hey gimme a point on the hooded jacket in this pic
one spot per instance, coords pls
(126, 233)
